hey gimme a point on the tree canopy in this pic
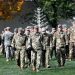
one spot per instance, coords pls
(57, 9)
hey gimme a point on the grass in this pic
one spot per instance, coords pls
(10, 68)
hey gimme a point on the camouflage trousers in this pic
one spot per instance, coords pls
(67, 50)
(53, 51)
(61, 56)
(71, 50)
(47, 56)
(20, 57)
(36, 58)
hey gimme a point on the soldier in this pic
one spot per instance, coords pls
(31, 31)
(19, 42)
(47, 45)
(65, 30)
(3, 50)
(72, 41)
(60, 46)
(37, 49)
(7, 37)
(14, 49)
(53, 46)
(28, 46)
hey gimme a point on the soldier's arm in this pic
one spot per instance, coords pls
(54, 39)
(51, 41)
(70, 35)
(41, 38)
(66, 39)
(13, 42)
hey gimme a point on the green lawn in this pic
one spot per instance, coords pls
(10, 68)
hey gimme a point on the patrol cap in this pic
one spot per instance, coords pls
(20, 29)
(53, 29)
(43, 29)
(59, 25)
(64, 26)
(28, 27)
(8, 28)
(36, 27)
(32, 27)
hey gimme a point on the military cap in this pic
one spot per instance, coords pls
(36, 27)
(20, 29)
(64, 26)
(32, 26)
(28, 27)
(8, 28)
(43, 29)
(59, 26)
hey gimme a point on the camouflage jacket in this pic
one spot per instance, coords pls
(60, 39)
(47, 40)
(36, 41)
(19, 41)
(72, 34)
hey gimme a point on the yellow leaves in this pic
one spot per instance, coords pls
(19, 5)
(7, 9)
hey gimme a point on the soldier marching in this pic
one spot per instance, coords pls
(33, 48)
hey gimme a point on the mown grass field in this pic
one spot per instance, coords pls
(10, 68)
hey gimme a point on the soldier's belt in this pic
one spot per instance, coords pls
(20, 47)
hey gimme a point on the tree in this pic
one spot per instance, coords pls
(40, 19)
(57, 9)
(9, 7)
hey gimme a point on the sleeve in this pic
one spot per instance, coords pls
(51, 40)
(66, 39)
(54, 39)
(13, 42)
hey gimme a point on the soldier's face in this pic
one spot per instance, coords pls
(53, 29)
(40, 29)
(64, 29)
(59, 29)
(27, 32)
(36, 30)
(31, 30)
(20, 32)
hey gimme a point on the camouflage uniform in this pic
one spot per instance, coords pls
(67, 44)
(28, 47)
(60, 47)
(47, 45)
(53, 45)
(19, 42)
(36, 51)
(72, 42)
